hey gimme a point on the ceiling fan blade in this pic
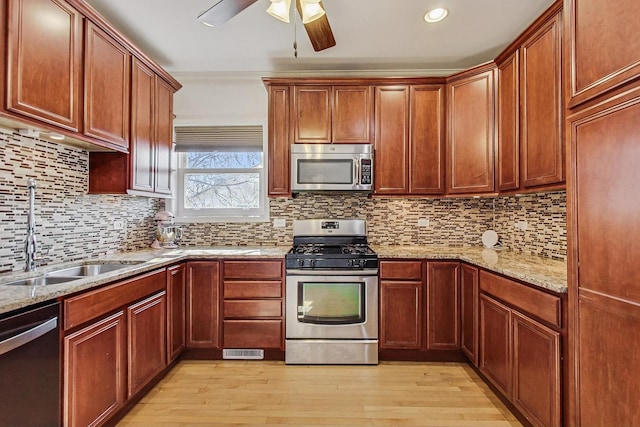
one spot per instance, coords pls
(319, 31)
(223, 10)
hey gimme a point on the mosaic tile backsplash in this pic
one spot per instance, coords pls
(394, 221)
(72, 225)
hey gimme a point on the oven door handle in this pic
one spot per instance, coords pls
(338, 272)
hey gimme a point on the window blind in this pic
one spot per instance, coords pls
(218, 138)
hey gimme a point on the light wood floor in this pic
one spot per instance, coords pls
(258, 393)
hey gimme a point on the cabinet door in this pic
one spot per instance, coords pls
(401, 314)
(471, 134)
(279, 141)
(536, 371)
(495, 343)
(542, 147)
(147, 338)
(163, 132)
(95, 372)
(508, 155)
(352, 114)
(469, 311)
(312, 114)
(443, 306)
(44, 62)
(391, 140)
(142, 127)
(252, 333)
(604, 289)
(176, 320)
(203, 312)
(602, 45)
(427, 132)
(107, 71)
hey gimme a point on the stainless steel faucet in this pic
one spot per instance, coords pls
(31, 247)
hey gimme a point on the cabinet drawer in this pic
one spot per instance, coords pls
(545, 306)
(252, 308)
(401, 270)
(92, 304)
(245, 290)
(253, 270)
(252, 333)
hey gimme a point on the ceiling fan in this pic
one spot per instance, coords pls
(315, 23)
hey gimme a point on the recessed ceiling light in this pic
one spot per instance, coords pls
(436, 15)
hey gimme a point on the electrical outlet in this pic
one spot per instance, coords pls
(521, 225)
(279, 222)
(118, 225)
(423, 222)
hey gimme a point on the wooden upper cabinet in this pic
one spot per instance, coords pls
(332, 114)
(44, 62)
(142, 127)
(391, 140)
(541, 136)
(352, 114)
(508, 156)
(426, 139)
(470, 140)
(312, 114)
(107, 79)
(602, 47)
(279, 140)
(163, 131)
(151, 132)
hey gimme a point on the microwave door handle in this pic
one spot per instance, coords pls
(356, 171)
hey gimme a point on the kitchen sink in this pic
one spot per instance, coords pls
(69, 274)
(87, 270)
(41, 281)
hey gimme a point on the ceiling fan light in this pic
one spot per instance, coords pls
(279, 9)
(311, 10)
(436, 15)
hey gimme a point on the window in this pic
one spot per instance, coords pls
(220, 174)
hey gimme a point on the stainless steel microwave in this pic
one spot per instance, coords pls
(331, 167)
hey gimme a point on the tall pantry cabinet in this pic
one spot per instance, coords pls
(602, 47)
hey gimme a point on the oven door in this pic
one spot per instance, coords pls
(331, 305)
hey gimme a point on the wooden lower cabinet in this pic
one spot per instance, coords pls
(401, 314)
(419, 310)
(495, 343)
(203, 312)
(469, 289)
(147, 341)
(443, 302)
(536, 371)
(176, 319)
(95, 373)
(521, 357)
(253, 305)
(109, 360)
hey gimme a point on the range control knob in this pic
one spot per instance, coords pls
(301, 262)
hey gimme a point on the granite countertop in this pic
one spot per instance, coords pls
(543, 272)
(140, 261)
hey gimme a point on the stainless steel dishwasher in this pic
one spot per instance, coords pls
(30, 368)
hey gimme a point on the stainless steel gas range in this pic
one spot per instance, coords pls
(331, 294)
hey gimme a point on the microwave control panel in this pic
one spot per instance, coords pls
(365, 172)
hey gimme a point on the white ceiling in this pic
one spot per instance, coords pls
(372, 36)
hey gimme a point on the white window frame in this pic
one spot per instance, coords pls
(183, 215)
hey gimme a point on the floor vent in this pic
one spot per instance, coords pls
(233, 353)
